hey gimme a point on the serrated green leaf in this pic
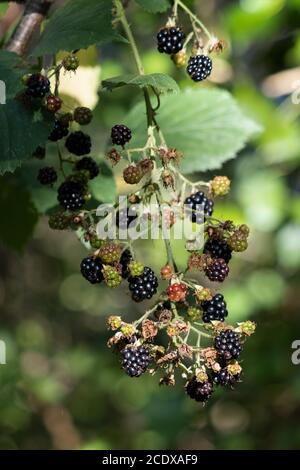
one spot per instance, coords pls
(21, 134)
(77, 25)
(207, 125)
(18, 214)
(161, 82)
(103, 188)
(154, 6)
(11, 71)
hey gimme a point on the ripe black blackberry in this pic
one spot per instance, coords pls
(224, 378)
(47, 175)
(70, 195)
(37, 85)
(125, 259)
(199, 206)
(59, 131)
(144, 286)
(217, 270)
(199, 391)
(87, 163)
(126, 217)
(120, 134)
(79, 143)
(170, 40)
(218, 249)
(135, 360)
(228, 345)
(199, 67)
(214, 309)
(91, 269)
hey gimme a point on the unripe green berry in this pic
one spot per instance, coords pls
(70, 63)
(136, 268)
(111, 276)
(59, 221)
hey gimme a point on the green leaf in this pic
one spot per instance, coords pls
(21, 134)
(207, 125)
(154, 6)
(161, 82)
(11, 71)
(18, 214)
(77, 25)
(103, 188)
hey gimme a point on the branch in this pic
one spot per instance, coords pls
(34, 13)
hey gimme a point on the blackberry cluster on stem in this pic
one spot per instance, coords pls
(217, 248)
(228, 345)
(214, 309)
(143, 287)
(170, 40)
(199, 67)
(135, 360)
(71, 195)
(91, 269)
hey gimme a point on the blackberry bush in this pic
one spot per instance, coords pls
(171, 331)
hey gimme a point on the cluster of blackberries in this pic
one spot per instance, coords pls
(197, 206)
(214, 309)
(224, 378)
(170, 40)
(135, 360)
(217, 270)
(144, 286)
(199, 67)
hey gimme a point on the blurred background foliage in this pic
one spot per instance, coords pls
(62, 388)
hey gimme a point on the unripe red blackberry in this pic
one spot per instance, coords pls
(135, 360)
(199, 391)
(218, 249)
(88, 164)
(132, 174)
(79, 143)
(166, 272)
(91, 269)
(177, 292)
(217, 270)
(228, 345)
(120, 134)
(199, 67)
(83, 115)
(146, 165)
(37, 85)
(70, 62)
(59, 131)
(59, 221)
(53, 103)
(47, 175)
(110, 253)
(214, 309)
(111, 276)
(170, 40)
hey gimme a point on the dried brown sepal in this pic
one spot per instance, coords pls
(114, 322)
(149, 329)
(185, 351)
(170, 357)
(168, 379)
(113, 156)
(115, 339)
